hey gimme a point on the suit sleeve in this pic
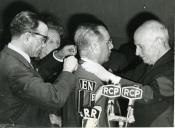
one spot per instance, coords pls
(49, 68)
(161, 86)
(130, 74)
(29, 86)
(166, 85)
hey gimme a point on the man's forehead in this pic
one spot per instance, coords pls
(149, 28)
(42, 28)
(103, 31)
(53, 32)
(144, 33)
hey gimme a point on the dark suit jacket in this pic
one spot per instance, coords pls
(48, 67)
(23, 91)
(158, 83)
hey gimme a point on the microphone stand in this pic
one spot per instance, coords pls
(130, 110)
(124, 120)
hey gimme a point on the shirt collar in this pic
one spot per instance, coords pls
(13, 47)
(90, 61)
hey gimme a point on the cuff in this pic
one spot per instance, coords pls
(56, 58)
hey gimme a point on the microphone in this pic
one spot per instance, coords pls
(91, 117)
(129, 92)
(132, 92)
(111, 90)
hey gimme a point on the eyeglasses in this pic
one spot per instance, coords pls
(109, 42)
(43, 36)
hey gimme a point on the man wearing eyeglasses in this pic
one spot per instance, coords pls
(22, 90)
(94, 46)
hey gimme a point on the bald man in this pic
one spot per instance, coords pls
(151, 40)
(157, 79)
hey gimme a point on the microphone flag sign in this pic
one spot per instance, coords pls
(111, 90)
(129, 92)
(132, 92)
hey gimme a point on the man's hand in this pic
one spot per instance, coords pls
(54, 119)
(70, 64)
(101, 72)
(68, 50)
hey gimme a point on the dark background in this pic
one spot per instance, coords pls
(121, 16)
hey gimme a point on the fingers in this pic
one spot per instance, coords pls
(70, 64)
(70, 50)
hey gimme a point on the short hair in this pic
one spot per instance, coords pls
(23, 22)
(53, 22)
(85, 34)
(157, 28)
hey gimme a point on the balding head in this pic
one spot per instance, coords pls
(154, 29)
(151, 40)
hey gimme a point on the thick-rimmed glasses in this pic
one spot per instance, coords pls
(44, 38)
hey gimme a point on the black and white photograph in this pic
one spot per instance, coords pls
(87, 63)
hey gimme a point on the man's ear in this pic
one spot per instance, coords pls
(160, 42)
(26, 37)
(95, 47)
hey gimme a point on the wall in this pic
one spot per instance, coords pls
(116, 14)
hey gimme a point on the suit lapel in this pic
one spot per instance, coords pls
(18, 57)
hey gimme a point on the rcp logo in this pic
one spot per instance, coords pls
(132, 92)
(111, 91)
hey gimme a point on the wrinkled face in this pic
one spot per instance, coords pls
(105, 46)
(53, 42)
(146, 46)
(38, 40)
